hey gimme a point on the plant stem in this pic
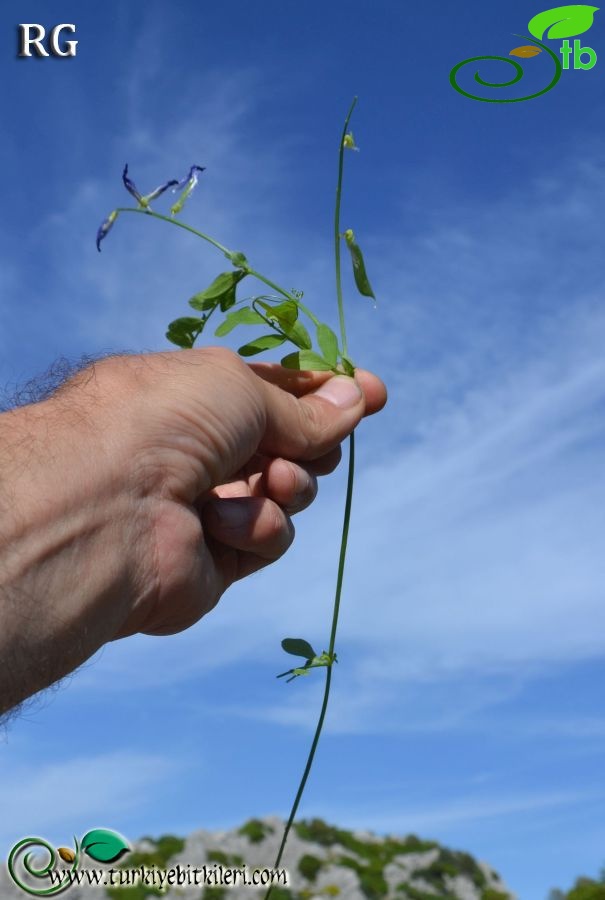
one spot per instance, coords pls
(345, 524)
(341, 312)
(227, 252)
(172, 221)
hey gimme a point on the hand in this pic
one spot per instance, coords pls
(170, 476)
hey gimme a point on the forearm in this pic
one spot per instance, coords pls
(64, 587)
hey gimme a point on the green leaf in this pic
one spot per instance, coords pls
(298, 647)
(239, 260)
(359, 268)
(266, 342)
(299, 335)
(306, 360)
(347, 365)
(184, 331)
(328, 343)
(103, 845)
(285, 313)
(221, 290)
(562, 21)
(244, 316)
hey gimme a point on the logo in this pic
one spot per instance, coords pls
(31, 40)
(563, 22)
(29, 872)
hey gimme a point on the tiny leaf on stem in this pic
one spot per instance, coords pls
(306, 360)
(184, 331)
(266, 342)
(244, 316)
(298, 647)
(238, 259)
(285, 313)
(348, 367)
(222, 290)
(359, 268)
(328, 343)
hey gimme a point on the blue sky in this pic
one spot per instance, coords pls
(468, 703)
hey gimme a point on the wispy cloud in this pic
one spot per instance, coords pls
(475, 809)
(77, 791)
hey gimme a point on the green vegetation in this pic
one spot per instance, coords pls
(450, 863)
(214, 893)
(256, 831)
(233, 860)
(583, 889)
(319, 832)
(367, 858)
(370, 876)
(412, 893)
(309, 866)
(165, 848)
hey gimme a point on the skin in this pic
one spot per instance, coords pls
(134, 496)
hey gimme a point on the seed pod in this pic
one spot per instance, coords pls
(66, 854)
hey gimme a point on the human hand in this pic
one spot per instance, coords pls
(136, 470)
(230, 452)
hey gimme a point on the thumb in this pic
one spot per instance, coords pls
(309, 426)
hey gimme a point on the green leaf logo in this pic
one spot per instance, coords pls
(103, 845)
(562, 21)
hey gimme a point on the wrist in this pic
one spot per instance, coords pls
(65, 581)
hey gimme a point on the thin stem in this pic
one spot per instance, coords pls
(345, 524)
(326, 696)
(155, 215)
(225, 250)
(341, 312)
(285, 294)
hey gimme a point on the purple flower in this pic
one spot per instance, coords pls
(187, 184)
(144, 201)
(130, 185)
(106, 227)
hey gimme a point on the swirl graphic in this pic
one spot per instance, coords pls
(517, 77)
(26, 864)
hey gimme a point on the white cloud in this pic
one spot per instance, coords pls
(476, 809)
(57, 796)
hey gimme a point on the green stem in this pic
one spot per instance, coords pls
(328, 683)
(155, 215)
(345, 525)
(341, 312)
(225, 250)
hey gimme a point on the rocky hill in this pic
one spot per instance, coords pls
(322, 861)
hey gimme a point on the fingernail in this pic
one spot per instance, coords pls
(231, 513)
(341, 390)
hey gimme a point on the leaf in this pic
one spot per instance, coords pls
(562, 21)
(328, 343)
(349, 368)
(298, 647)
(359, 268)
(266, 342)
(526, 52)
(185, 330)
(238, 260)
(223, 287)
(103, 845)
(306, 360)
(245, 316)
(299, 335)
(285, 313)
